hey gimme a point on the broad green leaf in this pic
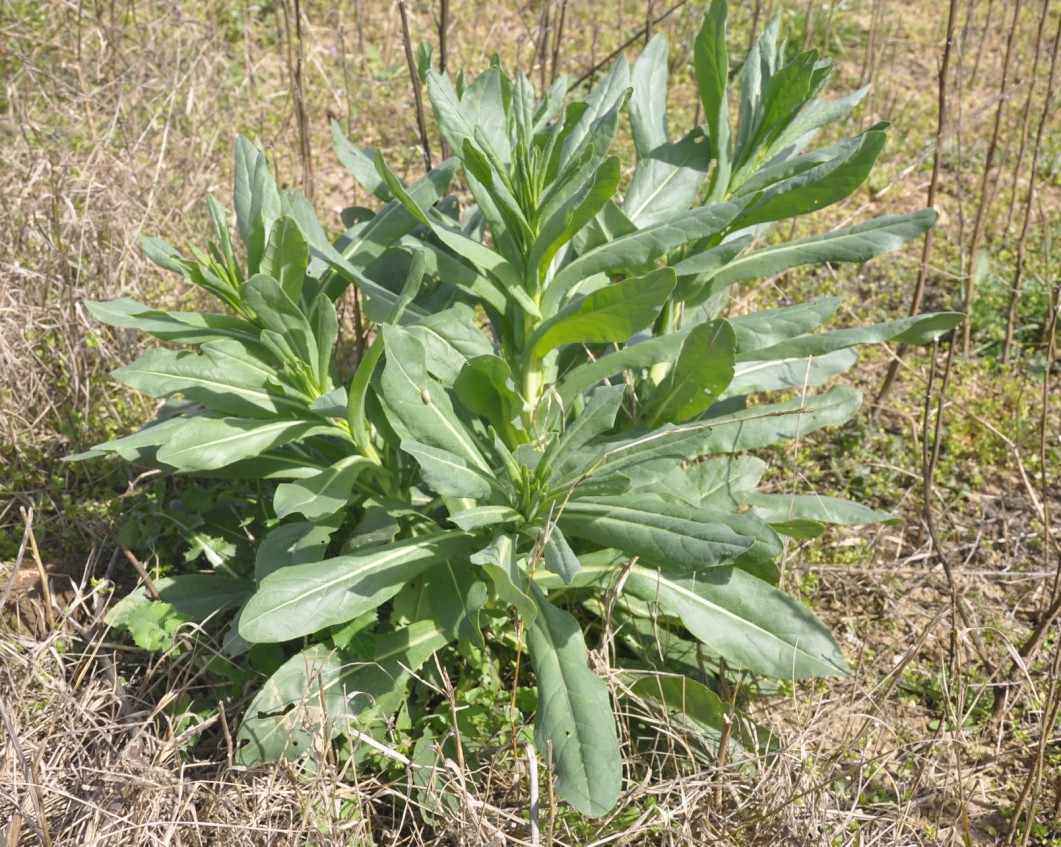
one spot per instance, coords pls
(801, 373)
(421, 405)
(224, 380)
(558, 555)
(574, 713)
(725, 482)
(700, 374)
(753, 625)
(648, 103)
(195, 597)
(761, 426)
(667, 180)
(316, 695)
(292, 544)
(204, 443)
(450, 338)
(484, 385)
(817, 114)
(663, 533)
(612, 314)
(456, 594)
(605, 100)
(321, 495)
(765, 328)
(300, 599)
(858, 243)
(286, 257)
(785, 507)
(644, 354)
(446, 472)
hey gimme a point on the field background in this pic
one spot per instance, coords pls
(117, 119)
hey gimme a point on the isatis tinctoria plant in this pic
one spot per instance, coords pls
(551, 430)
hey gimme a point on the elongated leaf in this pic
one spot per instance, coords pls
(279, 314)
(559, 557)
(446, 472)
(196, 596)
(189, 328)
(450, 338)
(644, 354)
(257, 201)
(702, 371)
(596, 418)
(321, 495)
(300, 599)
(420, 403)
(484, 386)
(801, 373)
(667, 180)
(498, 561)
(776, 508)
(711, 63)
(286, 256)
(658, 532)
(745, 620)
(762, 426)
(648, 103)
(768, 327)
(358, 163)
(226, 380)
(725, 482)
(205, 443)
(858, 243)
(607, 98)
(456, 594)
(574, 713)
(480, 516)
(634, 250)
(576, 211)
(611, 314)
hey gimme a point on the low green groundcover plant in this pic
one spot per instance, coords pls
(550, 433)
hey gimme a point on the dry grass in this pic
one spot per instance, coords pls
(117, 120)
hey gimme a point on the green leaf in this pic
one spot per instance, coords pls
(286, 257)
(648, 103)
(857, 244)
(558, 555)
(574, 213)
(279, 314)
(484, 385)
(195, 597)
(725, 482)
(358, 163)
(777, 508)
(695, 702)
(455, 595)
(644, 354)
(204, 443)
(667, 180)
(257, 201)
(323, 494)
(711, 64)
(574, 713)
(498, 560)
(225, 380)
(595, 419)
(449, 339)
(609, 315)
(292, 544)
(765, 328)
(762, 426)
(446, 472)
(700, 374)
(633, 251)
(300, 599)
(189, 328)
(153, 625)
(819, 186)
(663, 533)
(753, 625)
(420, 404)
(480, 516)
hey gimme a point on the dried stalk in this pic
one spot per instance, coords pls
(984, 199)
(933, 191)
(414, 77)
